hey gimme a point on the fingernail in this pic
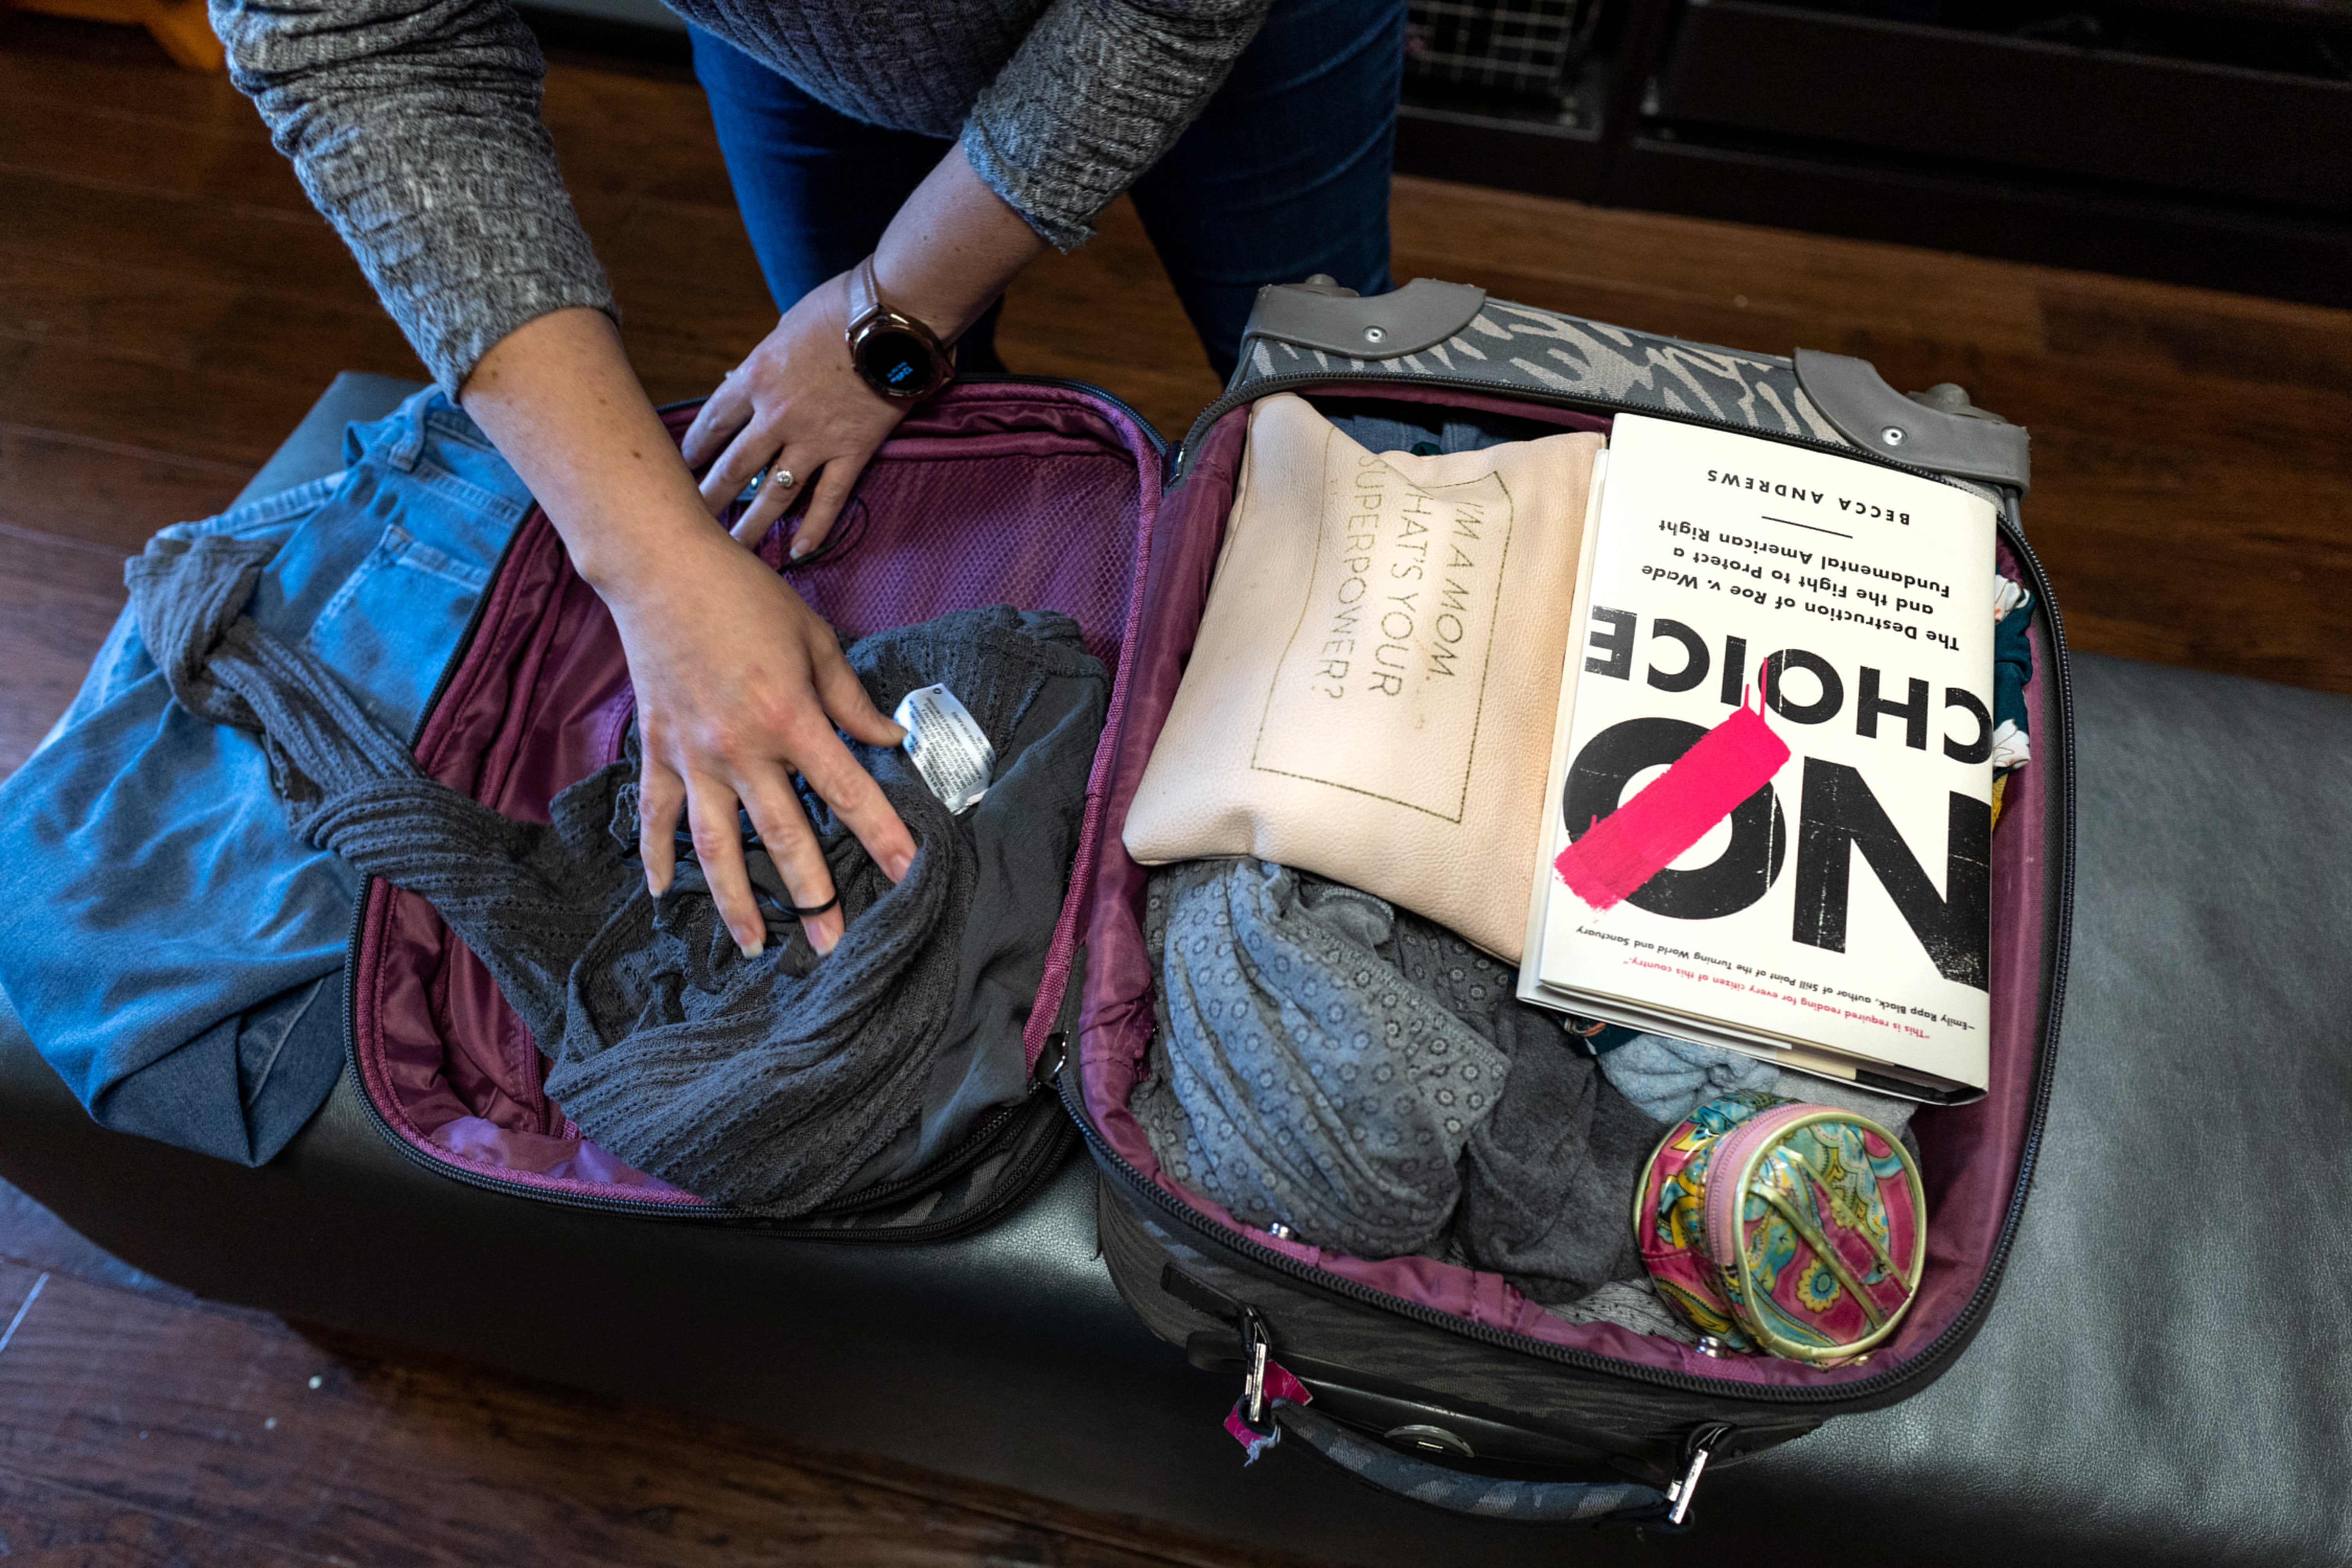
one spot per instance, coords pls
(898, 865)
(753, 947)
(656, 883)
(802, 547)
(822, 937)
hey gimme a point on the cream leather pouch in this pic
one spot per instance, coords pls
(1373, 690)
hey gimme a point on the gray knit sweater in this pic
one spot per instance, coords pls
(414, 124)
(775, 1083)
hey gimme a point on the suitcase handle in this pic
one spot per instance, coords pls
(1479, 1496)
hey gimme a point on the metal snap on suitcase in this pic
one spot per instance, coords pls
(1429, 1379)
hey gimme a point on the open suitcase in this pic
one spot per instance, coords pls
(978, 499)
(1433, 1380)
(974, 501)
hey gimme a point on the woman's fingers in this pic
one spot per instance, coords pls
(826, 497)
(753, 448)
(844, 695)
(722, 414)
(718, 850)
(661, 795)
(775, 498)
(792, 844)
(858, 800)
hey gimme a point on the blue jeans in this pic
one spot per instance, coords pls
(1285, 173)
(173, 950)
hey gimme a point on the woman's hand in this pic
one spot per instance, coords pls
(738, 683)
(797, 401)
(797, 404)
(725, 657)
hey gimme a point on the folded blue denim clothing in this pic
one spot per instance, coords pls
(173, 950)
(1669, 1079)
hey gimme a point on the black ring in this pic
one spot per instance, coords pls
(797, 912)
(684, 839)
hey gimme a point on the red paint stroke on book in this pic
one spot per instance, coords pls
(1642, 837)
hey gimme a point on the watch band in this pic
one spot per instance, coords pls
(865, 294)
(870, 318)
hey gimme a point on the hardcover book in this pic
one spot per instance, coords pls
(1770, 820)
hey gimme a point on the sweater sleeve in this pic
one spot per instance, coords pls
(1098, 91)
(414, 126)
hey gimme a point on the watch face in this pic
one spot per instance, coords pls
(897, 361)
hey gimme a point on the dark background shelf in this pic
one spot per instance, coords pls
(2199, 142)
(2134, 121)
(2206, 142)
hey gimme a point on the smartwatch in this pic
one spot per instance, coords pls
(897, 355)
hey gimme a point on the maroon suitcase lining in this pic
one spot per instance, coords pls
(1971, 1152)
(1042, 496)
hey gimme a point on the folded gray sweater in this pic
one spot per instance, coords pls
(415, 127)
(1369, 1080)
(778, 1082)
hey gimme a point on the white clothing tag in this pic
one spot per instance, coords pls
(947, 746)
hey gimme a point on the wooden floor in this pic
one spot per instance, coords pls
(169, 306)
(139, 1427)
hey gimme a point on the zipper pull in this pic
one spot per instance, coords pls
(1263, 1379)
(1055, 1051)
(1254, 1348)
(1703, 1442)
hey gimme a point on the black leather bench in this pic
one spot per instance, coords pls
(2164, 1379)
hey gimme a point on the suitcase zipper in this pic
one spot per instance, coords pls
(1956, 1334)
(1158, 443)
(1249, 1420)
(1017, 1184)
